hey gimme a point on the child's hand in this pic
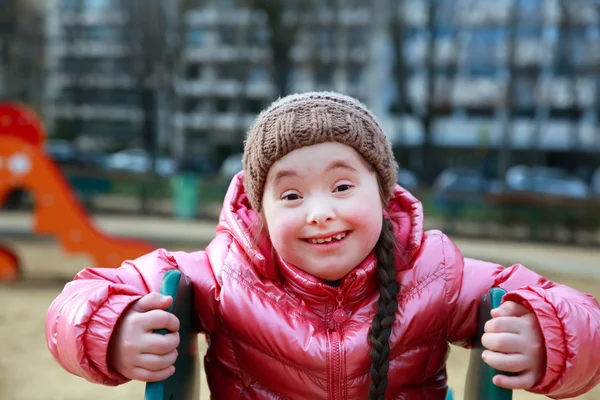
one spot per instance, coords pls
(514, 343)
(135, 351)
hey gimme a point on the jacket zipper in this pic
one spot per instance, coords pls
(336, 370)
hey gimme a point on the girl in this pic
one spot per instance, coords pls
(321, 284)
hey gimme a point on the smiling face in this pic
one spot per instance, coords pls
(322, 208)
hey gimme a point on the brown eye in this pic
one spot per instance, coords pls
(291, 197)
(343, 188)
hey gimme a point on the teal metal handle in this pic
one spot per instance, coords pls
(184, 383)
(479, 383)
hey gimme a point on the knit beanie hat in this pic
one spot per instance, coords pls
(307, 119)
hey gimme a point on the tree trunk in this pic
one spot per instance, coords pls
(148, 104)
(427, 160)
(505, 144)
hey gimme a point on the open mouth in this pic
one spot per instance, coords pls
(334, 238)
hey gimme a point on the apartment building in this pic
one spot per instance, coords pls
(554, 100)
(90, 90)
(225, 73)
(227, 67)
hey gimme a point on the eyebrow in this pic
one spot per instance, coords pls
(335, 164)
(283, 174)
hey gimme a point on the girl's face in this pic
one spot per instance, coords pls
(323, 209)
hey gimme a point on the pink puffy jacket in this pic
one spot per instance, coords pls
(270, 325)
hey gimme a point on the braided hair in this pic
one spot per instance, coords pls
(387, 304)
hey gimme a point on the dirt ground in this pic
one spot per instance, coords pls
(28, 371)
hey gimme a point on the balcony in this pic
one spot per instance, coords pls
(222, 54)
(94, 17)
(97, 112)
(213, 17)
(89, 48)
(224, 88)
(260, 90)
(93, 81)
(483, 13)
(227, 122)
(194, 88)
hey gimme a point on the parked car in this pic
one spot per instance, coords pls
(138, 160)
(461, 179)
(546, 180)
(65, 153)
(196, 165)
(231, 166)
(407, 179)
(595, 184)
(460, 189)
(60, 150)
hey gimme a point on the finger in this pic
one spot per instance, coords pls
(522, 381)
(503, 324)
(152, 301)
(505, 362)
(509, 343)
(142, 374)
(155, 343)
(155, 362)
(159, 319)
(510, 308)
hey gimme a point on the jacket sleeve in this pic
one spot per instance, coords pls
(80, 321)
(569, 319)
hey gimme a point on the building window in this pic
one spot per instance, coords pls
(114, 129)
(254, 106)
(357, 37)
(227, 36)
(523, 94)
(68, 4)
(190, 105)
(260, 36)
(258, 74)
(230, 72)
(481, 51)
(97, 4)
(222, 105)
(354, 75)
(103, 33)
(530, 11)
(324, 38)
(323, 75)
(196, 37)
(193, 71)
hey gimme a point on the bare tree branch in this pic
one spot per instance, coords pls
(283, 30)
(21, 51)
(155, 46)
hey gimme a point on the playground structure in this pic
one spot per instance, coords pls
(58, 212)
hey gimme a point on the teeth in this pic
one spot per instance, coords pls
(329, 239)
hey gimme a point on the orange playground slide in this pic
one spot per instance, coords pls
(24, 164)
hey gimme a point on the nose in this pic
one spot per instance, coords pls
(321, 212)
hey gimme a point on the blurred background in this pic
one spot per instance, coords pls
(493, 110)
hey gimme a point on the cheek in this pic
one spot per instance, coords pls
(283, 227)
(367, 215)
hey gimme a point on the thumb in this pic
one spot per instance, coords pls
(152, 301)
(510, 309)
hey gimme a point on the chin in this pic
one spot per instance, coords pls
(332, 276)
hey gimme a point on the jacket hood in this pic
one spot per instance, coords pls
(244, 224)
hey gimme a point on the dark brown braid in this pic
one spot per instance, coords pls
(387, 305)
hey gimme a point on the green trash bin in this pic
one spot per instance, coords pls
(186, 195)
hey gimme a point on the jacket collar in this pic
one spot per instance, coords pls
(238, 218)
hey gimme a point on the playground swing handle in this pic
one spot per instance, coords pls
(184, 383)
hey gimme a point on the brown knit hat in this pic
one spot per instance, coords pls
(306, 119)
